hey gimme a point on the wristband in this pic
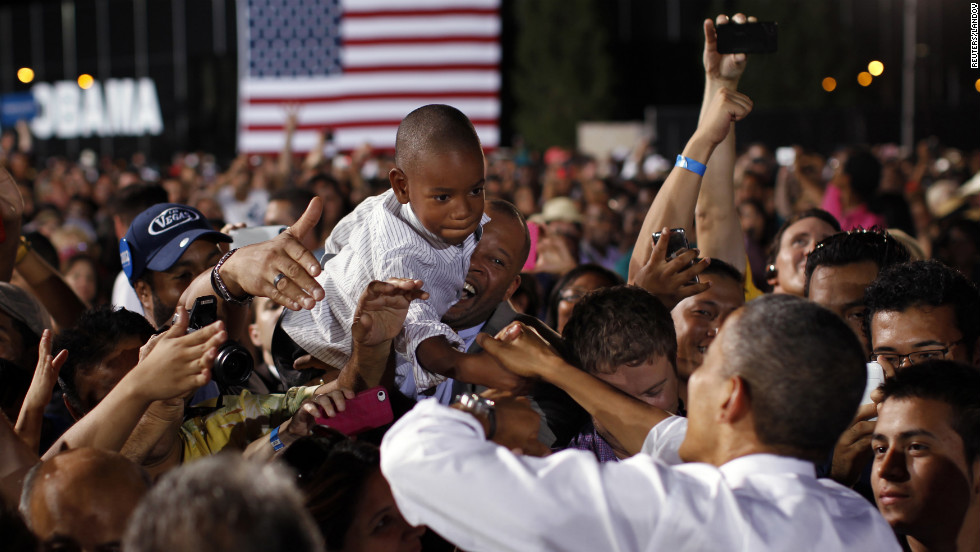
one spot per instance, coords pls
(274, 440)
(695, 167)
(219, 287)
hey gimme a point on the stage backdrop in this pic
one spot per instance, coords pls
(357, 67)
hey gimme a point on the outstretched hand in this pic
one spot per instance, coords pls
(671, 280)
(727, 69)
(254, 268)
(39, 394)
(382, 308)
(179, 362)
(519, 349)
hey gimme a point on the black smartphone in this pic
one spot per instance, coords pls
(747, 38)
(677, 243)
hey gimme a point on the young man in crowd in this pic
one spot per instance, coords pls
(926, 473)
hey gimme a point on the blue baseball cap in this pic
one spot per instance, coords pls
(159, 236)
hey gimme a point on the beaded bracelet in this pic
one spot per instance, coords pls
(219, 287)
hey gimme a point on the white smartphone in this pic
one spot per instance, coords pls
(876, 377)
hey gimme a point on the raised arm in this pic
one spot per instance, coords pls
(674, 205)
(718, 230)
(520, 349)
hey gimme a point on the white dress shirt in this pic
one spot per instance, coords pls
(384, 239)
(480, 496)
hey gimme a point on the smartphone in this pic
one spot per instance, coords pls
(678, 242)
(367, 410)
(785, 156)
(876, 377)
(255, 234)
(747, 38)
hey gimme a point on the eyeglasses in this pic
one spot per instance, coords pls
(896, 360)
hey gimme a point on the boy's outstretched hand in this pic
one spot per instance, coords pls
(382, 308)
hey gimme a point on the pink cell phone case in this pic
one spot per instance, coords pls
(367, 410)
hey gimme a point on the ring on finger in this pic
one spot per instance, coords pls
(275, 282)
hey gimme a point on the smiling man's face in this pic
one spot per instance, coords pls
(494, 272)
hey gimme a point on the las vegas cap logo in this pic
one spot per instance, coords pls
(169, 219)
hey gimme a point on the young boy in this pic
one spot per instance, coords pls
(424, 228)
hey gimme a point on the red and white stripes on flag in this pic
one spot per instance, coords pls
(359, 66)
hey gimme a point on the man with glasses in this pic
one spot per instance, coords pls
(922, 311)
(913, 312)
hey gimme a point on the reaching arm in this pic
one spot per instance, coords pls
(521, 350)
(719, 232)
(31, 415)
(674, 205)
(177, 365)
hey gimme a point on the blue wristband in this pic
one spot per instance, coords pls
(274, 440)
(691, 165)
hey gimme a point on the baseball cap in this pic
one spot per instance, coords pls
(159, 236)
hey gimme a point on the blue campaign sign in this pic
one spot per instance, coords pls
(17, 106)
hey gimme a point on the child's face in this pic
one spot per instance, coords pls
(445, 191)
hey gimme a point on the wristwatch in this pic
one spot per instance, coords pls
(480, 407)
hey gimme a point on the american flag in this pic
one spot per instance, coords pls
(359, 66)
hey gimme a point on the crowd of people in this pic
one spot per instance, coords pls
(440, 348)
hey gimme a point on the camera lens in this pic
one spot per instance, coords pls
(233, 364)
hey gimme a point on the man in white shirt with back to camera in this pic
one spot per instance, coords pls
(778, 385)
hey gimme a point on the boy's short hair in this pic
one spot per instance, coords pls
(92, 339)
(953, 383)
(618, 325)
(925, 283)
(855, 246)
(434, 128)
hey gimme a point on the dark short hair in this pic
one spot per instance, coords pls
(92, 339)
(617, 325)
(925, 283)
(610, 277)
(953, 383)
(132, 200)
(856, 246)
(793, 219)
(719, 267)
(804, 369)
(297, 198)
(331, 471)
(434, 128)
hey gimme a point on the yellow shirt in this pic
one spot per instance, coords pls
(242, 419)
